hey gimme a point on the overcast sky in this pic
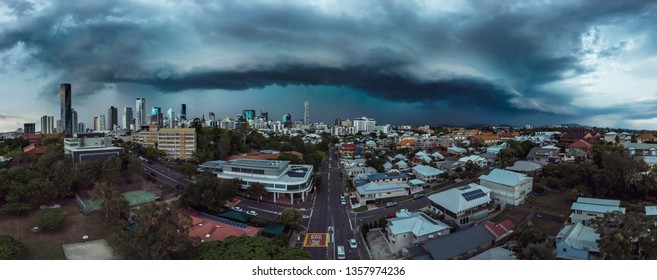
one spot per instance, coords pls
(400, 62)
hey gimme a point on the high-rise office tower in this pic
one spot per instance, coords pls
(171, 116)
(65, 109)
(306, 112)
(101, 122)
(156, 117)
(140, 116)
(47, 124)
(29, 128)
(338, 121)
(112, 118)
(127, 118)
(248, 115)
(96, 123)
(74, 115)
(264, 115)
(287, 120)
(183, 111)
(211, 116)
(80, 127)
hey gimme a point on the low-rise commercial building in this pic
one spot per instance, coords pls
(90, 149)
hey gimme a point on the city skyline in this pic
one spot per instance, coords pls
(453, 62)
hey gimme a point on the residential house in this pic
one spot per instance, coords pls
(479, 161)
(387, 166)
(651, 210)
(490, 157)
(427, 173)
(390, 176)
(544, 155)
(406, 143)
(454, 150)
(640, 149)
(646, 137)
(354, 171)
(496, 149)
(508, 135)
(450, 166)
(206, 228)
(497, 254)
(372, 191)
(577, 242)
(351, 150)
(409, 228)
(525, 167)
(437, 156)
(459, 245)
(463, 205)
(570, 137)
(612, 137)
(586, 209)
(486, 139)
(581, 144)
(401, 165)
(507, 186)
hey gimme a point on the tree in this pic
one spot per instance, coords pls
(188, 169)
(209, 192)
(529, 235)
(538, 251)
(315, 158)
(248, 248)
(16, 207)
(627, 236)
(291, 157)
(50, 218)
(115, 207)
(40, 191)
(290, 217)
(155, 232)
(257, 190)
(10, 249)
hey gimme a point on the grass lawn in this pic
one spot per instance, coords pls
(46, 244)
(549, 227)
(552, 202)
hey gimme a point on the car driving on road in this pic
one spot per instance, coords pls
(252, 213)
(236, 209)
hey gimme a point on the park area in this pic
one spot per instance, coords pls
(136, 194)
(47, 244)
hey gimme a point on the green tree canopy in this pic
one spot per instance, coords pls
(248, 248)
(114, 206)
(290, 217)
(10, 249)
(627, 236)
(50, 218)
(159, 232)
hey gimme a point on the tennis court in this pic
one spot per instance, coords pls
(138, 197)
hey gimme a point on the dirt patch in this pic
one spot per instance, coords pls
(553, 202)
(47, 244)
(547, 226)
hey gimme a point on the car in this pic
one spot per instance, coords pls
(391, 215)
(252, 213)
(340, 254)
(179, 187)
(353, 244)
(418, 196)
(391, 204)
(342, 196)
(236, 209)
(343, 201)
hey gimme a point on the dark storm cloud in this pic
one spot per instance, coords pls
(380, 52)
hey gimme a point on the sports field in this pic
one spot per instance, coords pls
(138, 197)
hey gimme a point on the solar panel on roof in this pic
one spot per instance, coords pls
(221, 220)
(472, 195)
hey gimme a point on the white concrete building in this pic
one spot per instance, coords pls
(507, 186)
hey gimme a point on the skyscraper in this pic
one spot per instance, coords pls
(264, 115)
(183, 111)
(47, 124)
(112, 118)
(156, 117)
(127, 118)
(171, 116)
(248, 115)
(95, 123)
(287, 120)
(140, 116)
(211, 116)
(74, 115)
(65, 109)
(306, 112)
(80, 127)
(100, 122)
(29, 128)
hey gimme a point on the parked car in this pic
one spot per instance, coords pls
(418, 196)
(391, 215)
(180, 187)
(353, 244)
(343, 201)
(391, 204)
(252, 213)
(236, 209)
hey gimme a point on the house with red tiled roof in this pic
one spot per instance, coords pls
(406, 143)
(570, 137)
(646, 137)
(509, 135)
(36, 147)
(206, 228)
(581, 144)
(487, 139)
(350, 150)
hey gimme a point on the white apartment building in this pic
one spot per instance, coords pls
(507, 186)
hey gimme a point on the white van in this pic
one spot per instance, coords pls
(341, 255)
